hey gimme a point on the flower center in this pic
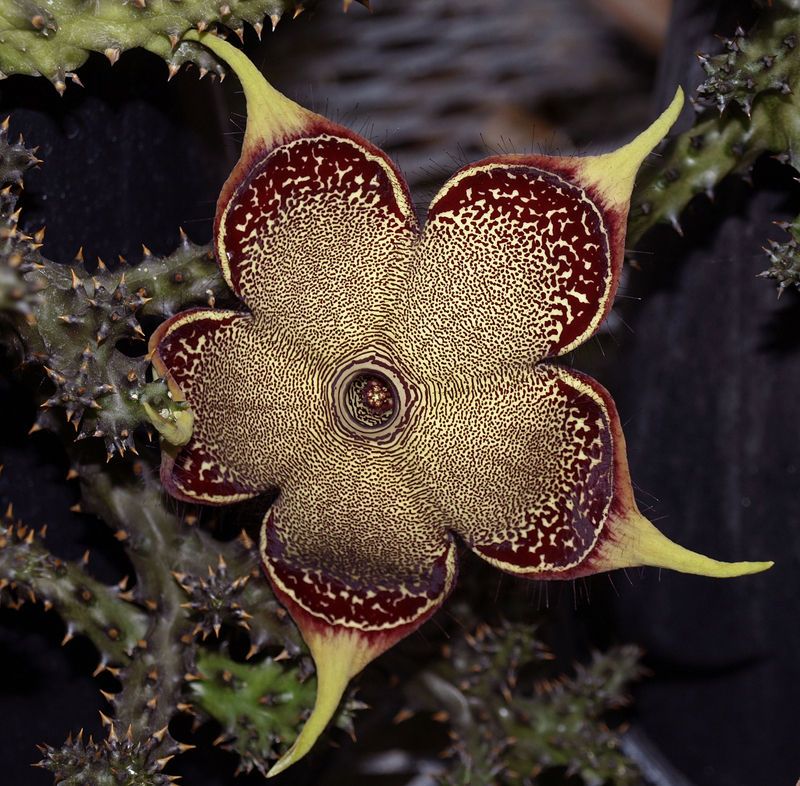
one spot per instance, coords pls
(371, 398)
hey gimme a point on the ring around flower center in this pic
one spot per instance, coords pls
(372, 400)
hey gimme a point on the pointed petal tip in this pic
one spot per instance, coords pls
(682, 560)
(285, 761)
(271, 117)
(614, 173)
(727, 570)
(639, 543)
(670, 114)
(309, 734)
(338, 656)
(639, 148)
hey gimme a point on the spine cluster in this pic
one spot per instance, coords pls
(54, 39)
(513, 722)
(70, 323)
(784, 258)
(746, 107)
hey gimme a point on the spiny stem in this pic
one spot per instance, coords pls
(101, 613)
(748, 107)
(154, 679)
(55, 38)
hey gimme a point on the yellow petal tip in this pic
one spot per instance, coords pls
(174, 425)
(637, 542)
(700, 565)
(285, 761)
(747, 568)
(338, 656)
(271, 117)
(614, 173)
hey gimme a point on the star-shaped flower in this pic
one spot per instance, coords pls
(390, 381)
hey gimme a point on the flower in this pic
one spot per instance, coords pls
(389, 380)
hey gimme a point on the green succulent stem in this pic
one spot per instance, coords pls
(153, 680)
(173, 563)
(55, 38)
(80, 321)
(747, 107)
(71, 323)
(88, 607)
(258, 705)
(512, 723)
(784, 258)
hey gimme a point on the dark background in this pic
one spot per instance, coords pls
(702, 359)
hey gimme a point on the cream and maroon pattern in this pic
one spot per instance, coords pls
(528, 457)
(392, 383)
(317, 241)
(518, 261)
(385, 380)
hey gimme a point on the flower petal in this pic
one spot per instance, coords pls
(360, 566)
(537, 479)
(315, 225)
(317, 238)
(520, 256)
(210, 359)
(360, 563)
(192, 474)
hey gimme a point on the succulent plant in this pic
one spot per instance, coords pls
(55, 38)
(747, 107)
(71, 323)
(258, 705)
(168, 635)
(784, 258)
(512, 722)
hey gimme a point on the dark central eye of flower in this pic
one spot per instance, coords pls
(370, 400)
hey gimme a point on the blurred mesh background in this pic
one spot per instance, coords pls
(442, 83)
